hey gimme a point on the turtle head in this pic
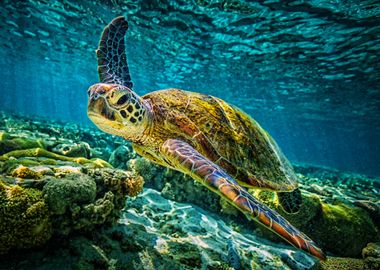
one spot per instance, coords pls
(118, 110)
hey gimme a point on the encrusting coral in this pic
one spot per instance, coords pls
(25, 172)
(24, 219)
(45, 193)
(68, 191)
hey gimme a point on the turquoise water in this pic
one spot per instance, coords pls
(74, 197)
(307, 71)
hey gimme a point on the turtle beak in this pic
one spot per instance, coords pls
(97, 105)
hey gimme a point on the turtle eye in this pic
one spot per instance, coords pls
(122, 100)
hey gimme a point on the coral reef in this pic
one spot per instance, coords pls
(121, 156)
(371, 255)
(370, 260)
(344, 230)
(68, 192)
(337, 263)
(81, 149)
(143, 240)
(24, 219)
(49, 187)
(56, 177)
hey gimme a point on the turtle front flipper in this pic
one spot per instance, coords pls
(181, 156)
(112, 60)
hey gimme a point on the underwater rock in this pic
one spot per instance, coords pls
(121, 155)
(371, 255)
(90, 255)
(370, 261)
(233, 255)
(194, 225)
(175, 185)
(8, 145)
(340, 229)
(371, 250)
(4, 135)
(25, 172)
(309, 210)
(83, 200)
(60, 194)
(81, 149)
(332, 185)
(24, 219)
(373, 209)
(139, 242)
(344, 230)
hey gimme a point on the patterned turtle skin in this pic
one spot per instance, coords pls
(200, 135)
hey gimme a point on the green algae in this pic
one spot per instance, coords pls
(4, 135)
(40, 152)
(344, 230)
(8, 144)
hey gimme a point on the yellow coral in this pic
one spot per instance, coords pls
(3, 135)
(24, 219)
(40, 152)
(25, 172)
(336, 263)
(134, 185)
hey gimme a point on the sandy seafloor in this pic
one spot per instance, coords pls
(173, 223)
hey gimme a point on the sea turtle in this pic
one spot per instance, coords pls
(200, 135)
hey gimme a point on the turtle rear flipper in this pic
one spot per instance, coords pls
(112, 60)
(181, 156)
(290, 201)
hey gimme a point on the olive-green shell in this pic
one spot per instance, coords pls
(222, 133)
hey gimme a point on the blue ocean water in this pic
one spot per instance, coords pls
(307, 71)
